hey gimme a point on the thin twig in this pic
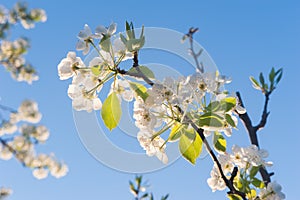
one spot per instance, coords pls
(194, 54)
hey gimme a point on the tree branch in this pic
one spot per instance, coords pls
(228, 182)
(265, 113)
(252, 132)
(200, 131)
(193, 53)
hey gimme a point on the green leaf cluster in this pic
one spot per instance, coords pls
(274, 79)
(132, 43)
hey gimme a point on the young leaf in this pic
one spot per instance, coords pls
(190, 149)
(280, 71)
(258, 183)
(234, 197)
(219, 142)
(111, 111)
(255, 83)
(229, 120)
(175, 132)
(253, 171)
(228, 103)
(272, 75)
(145, 70)
(139, 90)
(96, 70)
(261, 79)
(211, 120)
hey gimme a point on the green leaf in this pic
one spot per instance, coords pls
(213, 106)
(139, 90)
(105, 43)
(145, 70)
(234, 197)
(255, 83)
(254, 170)
(190, 149)
(96, 70)
(228, 103)
(175, 132)
(111, 111)
(272, 75)
(257, 183)
(219, 142)
(229, 120)
(280, 71)
(261, 79)
(211, 120)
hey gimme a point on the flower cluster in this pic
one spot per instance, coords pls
(12, 58)
(160, 105)
(87, 81)
(189, 109)
(20, 134)
(248, 160)
(12, 52)
(21, 13)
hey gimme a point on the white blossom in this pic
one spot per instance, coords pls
(40, 173)
(215, 182)
(101, 30)
(59, 170)
(272, 192)
(67, 66)
(85, 36)
(153, 146)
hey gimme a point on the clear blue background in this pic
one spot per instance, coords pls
(243, 37)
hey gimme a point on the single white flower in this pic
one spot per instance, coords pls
(40, 173)
(28, 111)
(272, 192)
(101, 30)
(59, 170)
(67, 66)
(85, 36)
(215, 182)
(5, 153)
(153, 146)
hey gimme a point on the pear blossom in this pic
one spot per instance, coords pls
(215, 182)
(5, 153)
(102, 31)
(40, 173)
(85, 36)
(272, 192)
(28, 111)
(153, 146)
(122, 89)
(83, 92)
(7, 127)
(67, 66)
(59, 170)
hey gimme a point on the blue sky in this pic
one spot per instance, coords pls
(243, 38)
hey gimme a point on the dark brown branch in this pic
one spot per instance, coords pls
(265, 113)
(252, 132)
